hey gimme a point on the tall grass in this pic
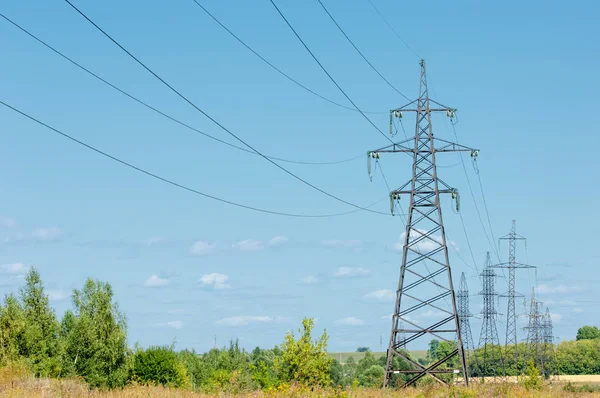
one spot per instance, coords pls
(16, 381)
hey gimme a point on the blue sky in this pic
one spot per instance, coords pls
(187, 268)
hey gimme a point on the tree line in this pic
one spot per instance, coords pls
(90, 343)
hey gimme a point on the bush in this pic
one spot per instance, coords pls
(532, 380)
(160, 365)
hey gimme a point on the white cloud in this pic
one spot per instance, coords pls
(278, 240)
(342, 244)
(561, 289)
(201, 248)
(311, 280)
(15, 268)
(244, 320)
(350, 321)
(8, 222)
(560, 302)
(426, 244)
(349, 272)
(172, 324)
(248, 245)
(578, 310)
(57, 295)
(156, 281)
(387, 317)
(37, 235)
(214, 280)
(154, 241)
(556, 317)
(382, 295)
(47, 234)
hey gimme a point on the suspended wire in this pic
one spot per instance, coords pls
(161, 112)
(275, 67)
(326, 72)
(393, 30)
(171, 182)
(495, 250)
(462, 221)
(487, 212)
(215, 121)
(360, 53)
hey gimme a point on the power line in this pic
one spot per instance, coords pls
(494, 248)
(161, 112)
(393, 30)
(215, 121)
(359, 52)
(326, 72)
(278, 70)
(171, 182)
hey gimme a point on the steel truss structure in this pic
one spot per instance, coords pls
(488, 338)
(425, 292)
(511, 314)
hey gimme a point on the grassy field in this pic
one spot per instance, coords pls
(68, 389)
(342, 357)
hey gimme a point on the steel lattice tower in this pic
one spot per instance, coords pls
(535, 332)
(511, 315)
(548, 343)
(462, 300)
(488, 338)
(425, 251)
(547, 325)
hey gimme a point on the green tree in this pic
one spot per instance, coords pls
(40, 338)
(372, 377)
(304, 360)
(432, 352)
(365, 363)
(160, 365)
(588, 333)
(263, 369)
(12, 326)
(362, 349)
(350, 369)
(197, 370)
(96, 337)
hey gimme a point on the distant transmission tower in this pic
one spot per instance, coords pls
(511, 315)
(548, 344)
(488, 338)
(462, 300)
(535, 332)
(425, 250)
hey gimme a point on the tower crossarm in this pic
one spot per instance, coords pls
(408, 107)
(446, 146)
(513, 265)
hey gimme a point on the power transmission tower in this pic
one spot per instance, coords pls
(424, 243)
(462, 299)
(548, 338)
(462, 302)
(511, 315)
(488, 338)
(535, 332)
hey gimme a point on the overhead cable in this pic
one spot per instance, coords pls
(326, 72)
(158, 111)
(171, 182)
(214, 120)
(360, 53)
(278, 70)
(393, 30)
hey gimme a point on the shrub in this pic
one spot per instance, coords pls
(160, 365)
